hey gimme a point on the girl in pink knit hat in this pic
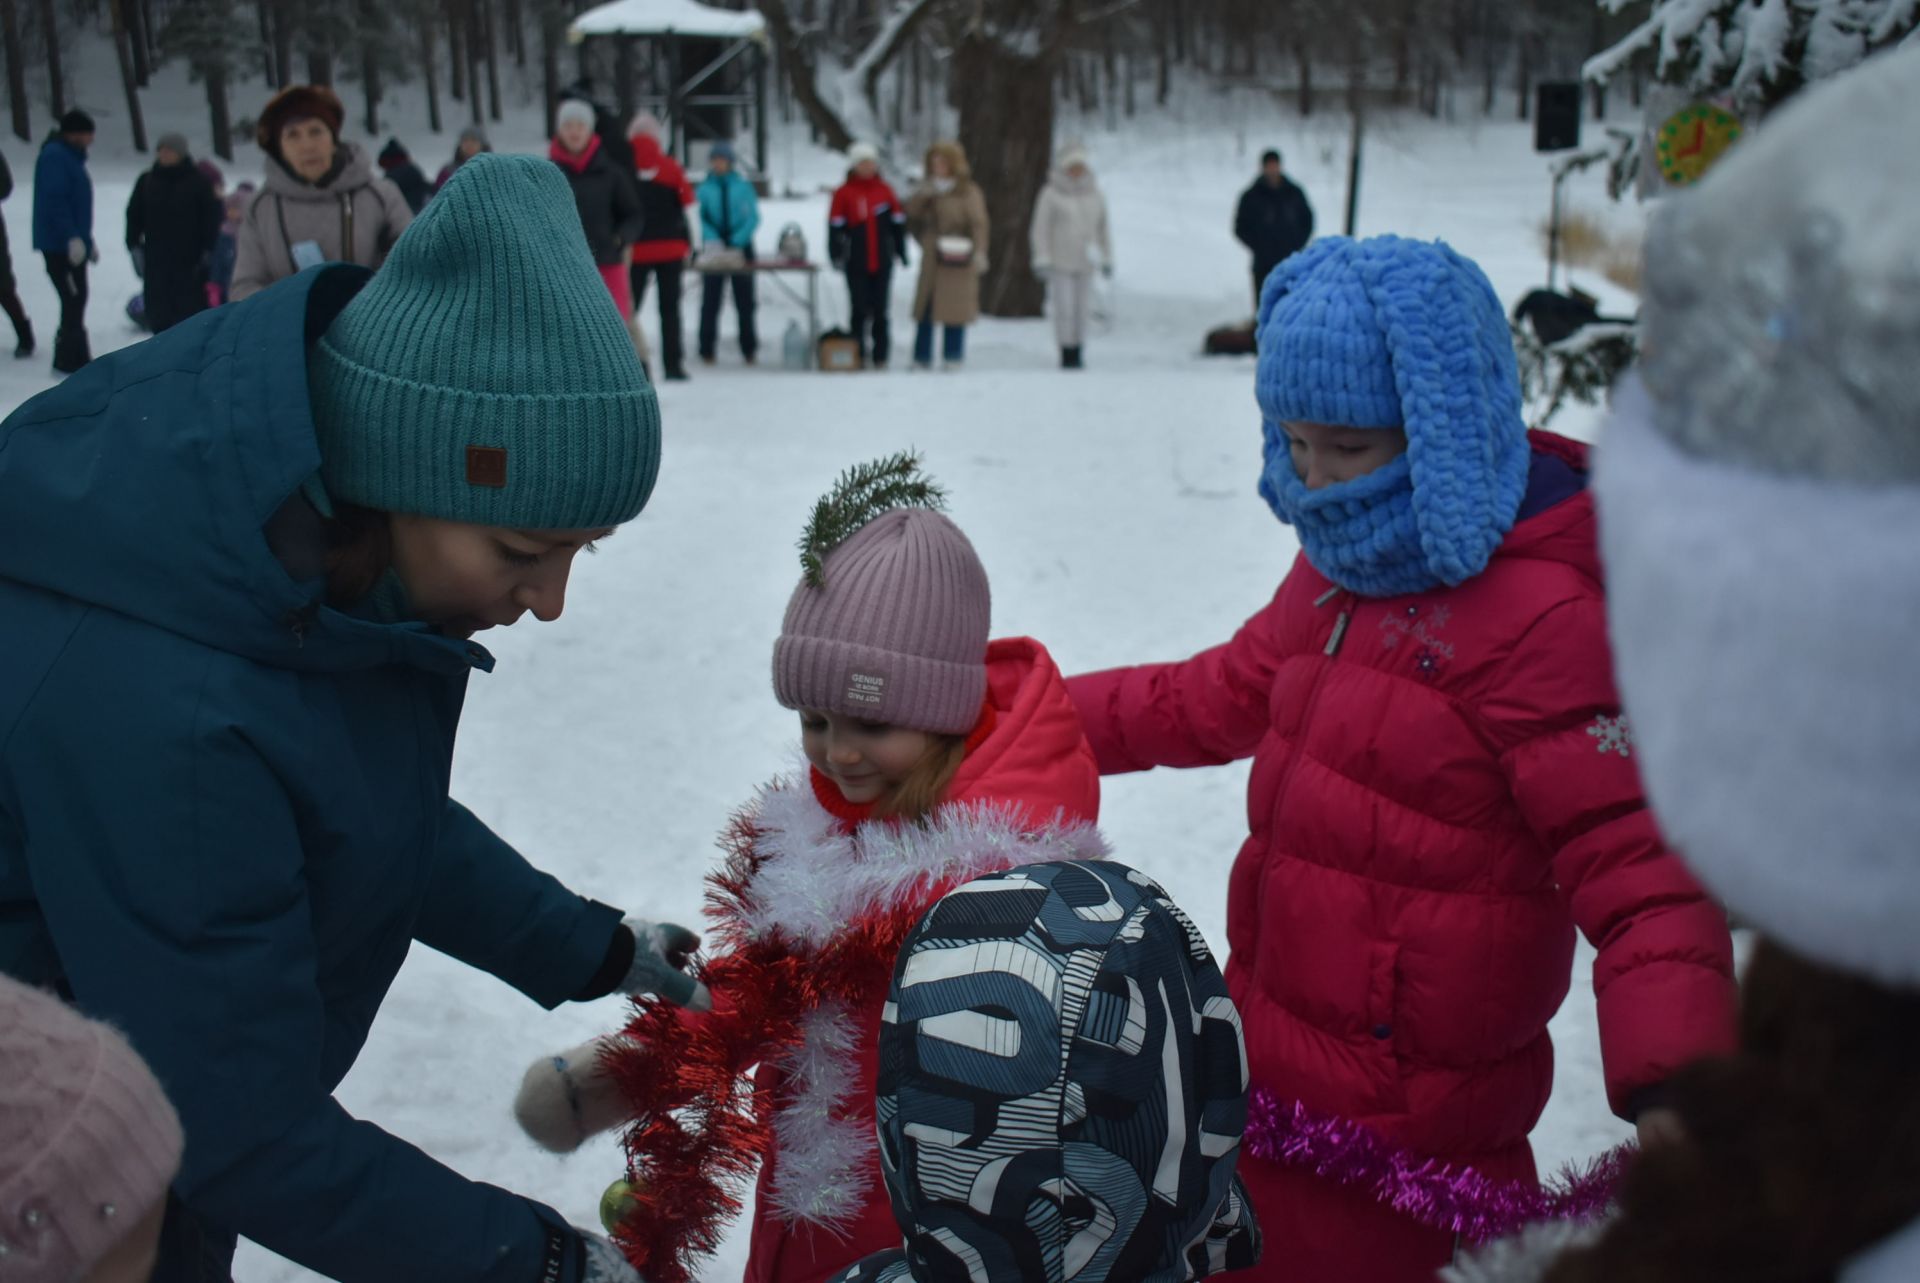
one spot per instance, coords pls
(933, 755)
(88, 1146)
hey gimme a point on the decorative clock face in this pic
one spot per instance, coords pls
(1692, 139)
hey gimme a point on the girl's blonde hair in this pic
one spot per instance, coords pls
(915, 797)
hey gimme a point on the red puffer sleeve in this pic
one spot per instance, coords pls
(1204, 711)
(1664, 974)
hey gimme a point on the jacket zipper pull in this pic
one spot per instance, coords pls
(1339, 633)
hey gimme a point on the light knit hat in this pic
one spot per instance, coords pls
(88, 1142)
(1759, 499)
(861, 152)
(893, 628)
(484, 373)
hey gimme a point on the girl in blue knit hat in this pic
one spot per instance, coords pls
(1443, 786)
(242, 568)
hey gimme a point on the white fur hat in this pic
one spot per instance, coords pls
(1760, 517)
(862, 151)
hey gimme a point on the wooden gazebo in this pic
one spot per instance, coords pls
(704, 67)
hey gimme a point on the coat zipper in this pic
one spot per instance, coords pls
(346, 227)
(1340, 625)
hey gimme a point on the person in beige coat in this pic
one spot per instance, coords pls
(948, 216)
(322, 201)
(1070, 242)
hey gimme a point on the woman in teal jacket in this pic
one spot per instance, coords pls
(729, 216)
(241, 567)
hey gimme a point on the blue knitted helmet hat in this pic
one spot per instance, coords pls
(484, 373)
(1393, 333)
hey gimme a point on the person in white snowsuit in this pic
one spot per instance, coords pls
(1070, 242)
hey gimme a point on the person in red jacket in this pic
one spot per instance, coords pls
(1443, 786)
(665, 240)
(934, 755)
(866, 233)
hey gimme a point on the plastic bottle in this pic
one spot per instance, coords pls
(793, 347)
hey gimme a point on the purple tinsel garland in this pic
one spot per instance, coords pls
(1445, 1196)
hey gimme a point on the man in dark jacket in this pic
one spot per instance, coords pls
(9, 288)
(1273, 220)
(397, 164)
(63, 231)
(173, 222)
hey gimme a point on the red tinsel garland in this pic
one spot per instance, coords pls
(699, 1131)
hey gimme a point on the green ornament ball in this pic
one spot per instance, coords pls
(615, 1204)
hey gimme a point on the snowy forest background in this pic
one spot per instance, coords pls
(993, 73)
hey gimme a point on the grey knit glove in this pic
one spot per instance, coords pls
(661, 951)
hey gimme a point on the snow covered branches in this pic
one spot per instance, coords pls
(1755, 54)
(862, 493)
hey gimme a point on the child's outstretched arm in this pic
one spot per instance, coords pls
(1664, 975)
(1204, 711)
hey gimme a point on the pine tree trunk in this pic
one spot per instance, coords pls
(516, 33)
(1304, 59)
(456, 53)
(898, 119)
(137, 42)
(283, 41)
(219, 114)
(430, 71)
(370, 84)
(16, 72)
(1006, 126)
(489, 20)
(550, 37)
(320, 66)
(123, 54)
(276, 43)
(1523, 77)
(56, 82)
(476, 58)
(1163, 57)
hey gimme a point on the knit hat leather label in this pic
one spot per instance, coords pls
(487, 466)
(866, 689)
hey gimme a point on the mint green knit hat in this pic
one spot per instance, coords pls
(484, 373)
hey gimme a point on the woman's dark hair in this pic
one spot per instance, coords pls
(359, 552)
(1801, 1150)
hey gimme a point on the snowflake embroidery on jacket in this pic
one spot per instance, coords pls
(1408, 625)
(1613, 734)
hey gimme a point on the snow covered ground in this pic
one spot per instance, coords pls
(1115, 511)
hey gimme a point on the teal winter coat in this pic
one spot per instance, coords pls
(729, 210)
(223, 805)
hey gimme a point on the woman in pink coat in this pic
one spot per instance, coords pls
(1443, 787)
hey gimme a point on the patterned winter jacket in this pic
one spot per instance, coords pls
(807, 870)
(1443, 788)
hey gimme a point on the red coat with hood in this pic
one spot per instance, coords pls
(1442, 790)
(665, 195)
(1029, 759)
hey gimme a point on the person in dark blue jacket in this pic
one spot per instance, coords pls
(242, 566)
(63, 231)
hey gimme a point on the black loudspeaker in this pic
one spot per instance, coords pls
(1556, 116)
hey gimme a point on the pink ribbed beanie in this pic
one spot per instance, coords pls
(88, 1142)
(897, 631)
